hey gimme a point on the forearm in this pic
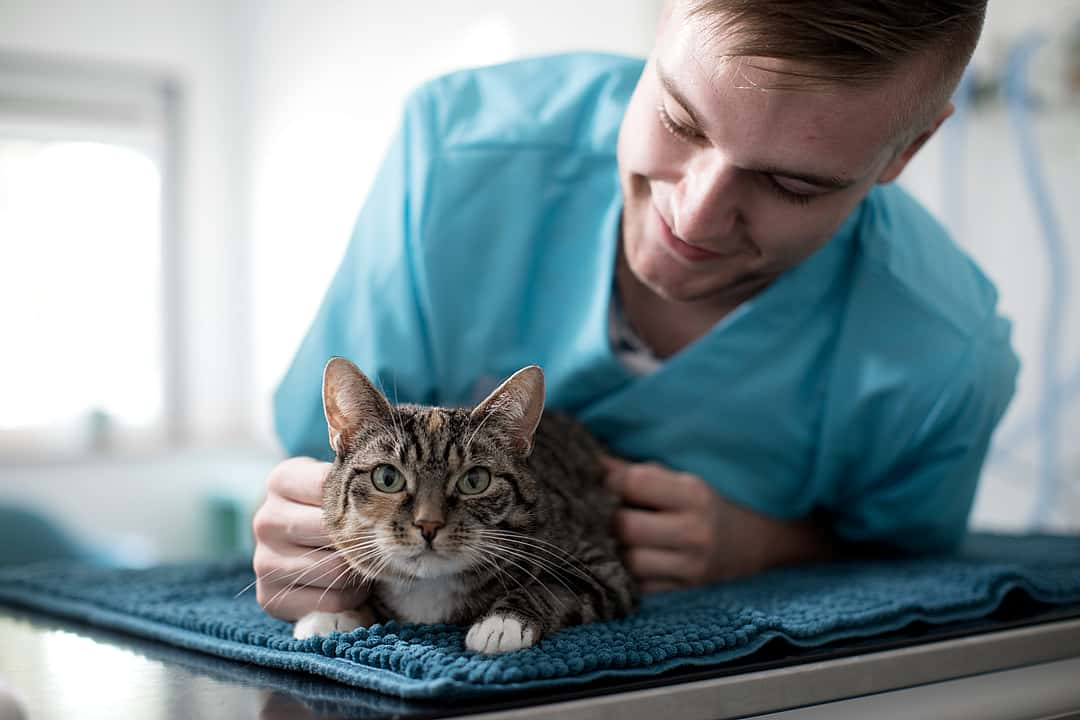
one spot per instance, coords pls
(758, 542)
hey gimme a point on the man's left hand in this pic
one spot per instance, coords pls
(678, 532)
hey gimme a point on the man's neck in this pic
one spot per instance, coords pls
(667, 326)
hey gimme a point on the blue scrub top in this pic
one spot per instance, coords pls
(864, 383)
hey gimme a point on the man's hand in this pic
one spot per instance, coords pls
(297, 570)
(678, 532)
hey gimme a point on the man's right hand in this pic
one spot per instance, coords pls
(297, 570)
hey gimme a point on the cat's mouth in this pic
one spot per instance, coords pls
(429, 562)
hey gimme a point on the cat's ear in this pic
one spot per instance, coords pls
(518, 403)
(350, 402)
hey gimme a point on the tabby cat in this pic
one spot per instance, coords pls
(496, 517)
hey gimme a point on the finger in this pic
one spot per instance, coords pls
(291, 603)
(653, 486)
(654, 586)
(300, 479)
(649, 528)
(614, 468)
(651, 564)
(322, 568)
(615, 478)
(282, 522)
(613, 464)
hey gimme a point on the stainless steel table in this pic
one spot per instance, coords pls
(1022, 663)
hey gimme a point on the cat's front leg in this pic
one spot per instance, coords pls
(324, 623)
(502, 631)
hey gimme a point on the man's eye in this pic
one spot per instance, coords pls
(789, 195)
(677, 129)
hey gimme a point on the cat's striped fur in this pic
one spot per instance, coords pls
(529, 554)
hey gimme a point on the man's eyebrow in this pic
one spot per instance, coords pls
(674, 92)
(830, 182)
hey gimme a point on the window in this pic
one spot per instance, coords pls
(85, 191)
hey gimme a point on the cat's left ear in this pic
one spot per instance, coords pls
(518, 403)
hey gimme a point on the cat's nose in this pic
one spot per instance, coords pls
(428, 529)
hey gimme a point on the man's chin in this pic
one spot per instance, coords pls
(675, 290)
(675, 285)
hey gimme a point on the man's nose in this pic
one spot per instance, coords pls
(428, 529)
(705, 203)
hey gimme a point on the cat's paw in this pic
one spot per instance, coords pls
(501, 633)
(324, 623)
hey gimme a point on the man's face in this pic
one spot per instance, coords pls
(727, 183)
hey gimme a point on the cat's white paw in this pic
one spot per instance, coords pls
(324, 623)
(499, 633)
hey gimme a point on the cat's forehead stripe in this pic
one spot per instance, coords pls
(434, 421)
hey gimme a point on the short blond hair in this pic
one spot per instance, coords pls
(856, 42)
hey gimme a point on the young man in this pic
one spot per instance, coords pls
(704, 254)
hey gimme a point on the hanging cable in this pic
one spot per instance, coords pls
(1018, 101)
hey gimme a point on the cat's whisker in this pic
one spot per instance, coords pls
(399, 427)
(340, 575)
(492, 558)
(474, 432)
(295, 583)
(535, 579)
(536, 545)
(334, 549)
(363, 559)
(530, 539)
(555, 572)
(497, 574)
(383, 563)
(554, 552)
(277, 573)
(536, 542)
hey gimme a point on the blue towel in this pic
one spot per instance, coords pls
(195, 607)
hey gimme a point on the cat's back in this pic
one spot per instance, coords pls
(566, 457)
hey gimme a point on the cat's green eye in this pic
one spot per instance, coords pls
(388, 479)
(475, 481)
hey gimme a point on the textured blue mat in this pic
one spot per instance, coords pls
(195, 607)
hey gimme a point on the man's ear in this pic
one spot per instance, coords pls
(898, 163)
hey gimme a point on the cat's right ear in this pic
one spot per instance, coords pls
(350, 402)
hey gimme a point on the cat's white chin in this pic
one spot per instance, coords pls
(429, 565)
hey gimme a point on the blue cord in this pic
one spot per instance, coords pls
(1016, 96)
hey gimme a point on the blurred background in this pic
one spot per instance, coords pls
(178, 180)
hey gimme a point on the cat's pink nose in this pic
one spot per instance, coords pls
(428, 529)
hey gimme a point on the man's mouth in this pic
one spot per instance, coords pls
(683, 249)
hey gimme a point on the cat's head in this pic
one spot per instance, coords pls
(416, 491)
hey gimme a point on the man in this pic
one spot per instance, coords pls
(787, 354)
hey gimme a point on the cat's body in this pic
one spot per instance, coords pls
(491, 518)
